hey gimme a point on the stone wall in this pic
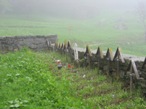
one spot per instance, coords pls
(37, 43)
(130, 71)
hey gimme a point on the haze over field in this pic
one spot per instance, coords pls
(72, 8)
(106, 23)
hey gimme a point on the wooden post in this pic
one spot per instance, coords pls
(117, 73)
(131, 83)
(132, 68)
(99, 56)
(98, 63)
(108, 60)
(144, 64)
(118, 58)
(66, 54)
(109, 57)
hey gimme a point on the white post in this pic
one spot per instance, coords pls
(76, 57)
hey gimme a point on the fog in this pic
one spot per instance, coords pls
(67, 8)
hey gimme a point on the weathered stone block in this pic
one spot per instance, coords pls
(32, 42)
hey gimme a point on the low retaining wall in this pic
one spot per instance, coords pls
(131, 72)
(37, 43)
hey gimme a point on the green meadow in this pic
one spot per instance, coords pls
(27, 83)
(31, 80)
(106, 31)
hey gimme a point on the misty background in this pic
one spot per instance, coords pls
(105, 23)
(68, 8)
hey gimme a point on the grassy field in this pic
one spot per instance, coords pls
(30, 80)
(105, 30)
(26, 82)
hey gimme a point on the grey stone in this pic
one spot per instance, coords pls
(37, 43)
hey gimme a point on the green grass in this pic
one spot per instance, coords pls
(99, 31)
(27, 83)
(31, 80)
(98, 91)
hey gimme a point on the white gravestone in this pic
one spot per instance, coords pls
(76, 52)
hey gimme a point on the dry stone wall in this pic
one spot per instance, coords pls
(37, 43)
(131, 71)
